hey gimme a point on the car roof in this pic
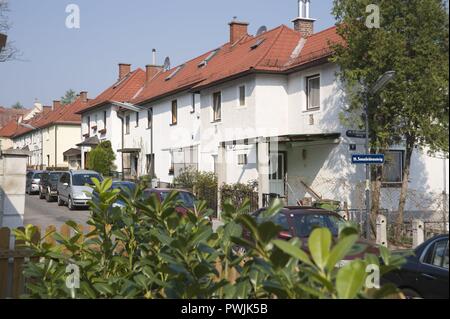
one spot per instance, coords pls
(83, 172)
(303, 210)
(163, 190)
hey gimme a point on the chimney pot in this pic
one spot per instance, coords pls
(124, 70)
(237, 30)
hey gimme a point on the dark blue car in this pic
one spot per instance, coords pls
(425, 273)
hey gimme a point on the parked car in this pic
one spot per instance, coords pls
(32, 182)
(125, 187)
(425, 273)
(72, 188)
(48, 186)
(297, 221)
(185, 200)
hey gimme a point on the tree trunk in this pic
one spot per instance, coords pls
(405, 183)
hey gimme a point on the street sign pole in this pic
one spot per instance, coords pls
(368, 173)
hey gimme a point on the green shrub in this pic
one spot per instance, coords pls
(147, 250)
(239, 193)
(101, 159)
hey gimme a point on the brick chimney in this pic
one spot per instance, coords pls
(56, 105)
(304, 24)
(124, 70)
(150, 71)
(237, 30)
(83, 96)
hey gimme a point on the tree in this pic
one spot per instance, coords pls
(9, 52)
(69, 97)
(101, 159)
(413, 110)
(17, 106)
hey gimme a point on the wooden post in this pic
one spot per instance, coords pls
(4, 252)
(17, 282)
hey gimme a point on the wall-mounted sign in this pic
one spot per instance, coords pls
(375, 159)
(356, 134)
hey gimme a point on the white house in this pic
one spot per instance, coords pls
(263, 107)
(106, 118)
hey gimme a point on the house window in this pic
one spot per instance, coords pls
(149, 118)
(137, 119)
(127, 124)
(242, 159)
(104, 119)
(217, 106)
(242, 95)
(174, 112)
(193, 103)
(393, 168)
(313, 92)
(89, 125)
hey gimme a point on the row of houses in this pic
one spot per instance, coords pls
(262, 107)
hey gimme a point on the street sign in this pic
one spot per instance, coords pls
(356, 134)
(374, 159)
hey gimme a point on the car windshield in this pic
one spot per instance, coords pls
(304, 224)
(54, 176)
(83, 179)
(186, 199)
(37, 175)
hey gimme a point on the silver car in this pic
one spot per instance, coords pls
(72, 188)
(32, 182)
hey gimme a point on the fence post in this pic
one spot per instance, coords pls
(381, 231)
(418, 228)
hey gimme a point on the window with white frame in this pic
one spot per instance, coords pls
(393, 167)
(313, 92)
(137, 119)
(242, 96)
(217, 107)
(149, 118)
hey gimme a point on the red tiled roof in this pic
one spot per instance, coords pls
(274, 54)
(63, 115)
(122, 91)
(8, 114)
(9, 129)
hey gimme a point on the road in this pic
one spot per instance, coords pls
(40, 213)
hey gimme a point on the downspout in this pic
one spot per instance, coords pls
(122, 139)
(56, 146)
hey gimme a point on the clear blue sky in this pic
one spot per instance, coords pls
(56, 59)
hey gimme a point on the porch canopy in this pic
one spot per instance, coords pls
(129, 150)
(293, 138)
(72, 152)
(90, 141)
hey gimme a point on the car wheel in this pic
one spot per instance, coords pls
(47, 196)
(70, 204)
(411, 293)
(60, 201)
(26, 190)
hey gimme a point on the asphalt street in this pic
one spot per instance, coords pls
(40, 213)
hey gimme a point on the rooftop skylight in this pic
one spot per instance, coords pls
(208, 58)
(175, 72)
